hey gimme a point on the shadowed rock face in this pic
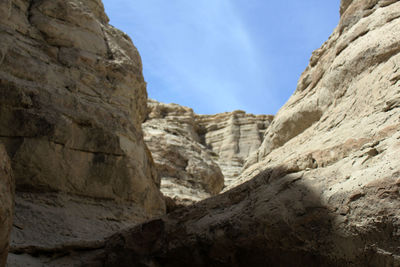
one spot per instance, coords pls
(6, 203)
(323, 189)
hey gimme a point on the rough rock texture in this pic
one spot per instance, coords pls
(6, 203)
(186, 167)
(348, 91)
(50, 226)
(80, 104)
(233, 136)
(323, 190)
(191, 150)
(72, 100)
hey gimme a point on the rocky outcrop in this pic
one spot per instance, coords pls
(6, 203)
(323, 189)
(346, 92)
(191, 150)
(187, 168)
(72, 100)
(80, 104)
(233, 136)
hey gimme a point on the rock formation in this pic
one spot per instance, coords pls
(80, 104)
(191, 150)
(187, 169)
(6, 203)
(323, 189)
(233, 136)
(72, 100)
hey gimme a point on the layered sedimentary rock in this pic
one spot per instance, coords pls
(191, 150)
(187, 169)
(6, 203)
(72, 100)
(323, 189)
(233, 136)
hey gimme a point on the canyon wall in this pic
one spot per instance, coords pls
(72, 101)
(187, 169)
(73, 94)
(233, 136)
(320, 185)
(197, 155)
(323, 189)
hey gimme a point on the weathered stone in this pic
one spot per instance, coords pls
(72, 101)
(323, 189)
(72, 123)
(187, 169)
(233, 136)
(191, 150)
(6, 204)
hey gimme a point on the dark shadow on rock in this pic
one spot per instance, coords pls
(272, 220)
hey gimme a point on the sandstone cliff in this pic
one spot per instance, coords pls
(191, 150)
(233, 136)
(323, 189)
(187, 169)
(72, 100)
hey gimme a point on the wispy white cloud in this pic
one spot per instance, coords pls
(220, 55)
(194, 48)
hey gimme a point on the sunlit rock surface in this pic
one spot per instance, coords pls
(323, 189)
(72, 101)
(197, 155)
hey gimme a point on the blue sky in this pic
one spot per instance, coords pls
(222, 55)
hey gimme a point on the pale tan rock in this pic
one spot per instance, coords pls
(323, 189)
(233, 136)
(72, 122)
(191, 150)
(351, 77)
(187, 168)
(6, 203)
(72, 101)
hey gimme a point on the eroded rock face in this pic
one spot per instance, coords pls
(352, 76)
(323, 189)
(6, 203)
(72, 101)
(187, 169)
(191, 150)
(233, 136)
